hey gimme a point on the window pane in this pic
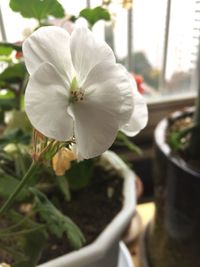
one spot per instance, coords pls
(145, 32)
(149, 27)
(182, 41)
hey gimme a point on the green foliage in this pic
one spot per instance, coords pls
(7, 104)
(95, 14)
(19, 120)
(177, 139)
(2, 115)
(7, 186)
(64, 187)
(16, 136)
(33, 244)
(79, 174)
(57, 223)
(22, 239)
(38, 9)
(6, 48)
(15, 73)
(124, 141)
(13, 166)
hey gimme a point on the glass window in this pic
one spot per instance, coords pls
(153, 39)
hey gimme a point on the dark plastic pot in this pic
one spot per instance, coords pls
(173, 237)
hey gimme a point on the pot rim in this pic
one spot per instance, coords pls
(160, 141)
(112, 232)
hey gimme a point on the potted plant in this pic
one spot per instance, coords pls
(77, 98)
(172, 238)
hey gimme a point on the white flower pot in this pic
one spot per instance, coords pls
(105, 250)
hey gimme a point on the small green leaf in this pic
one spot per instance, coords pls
(33, 245)
(64, 186)
(57, 223)
(18, 120)
(176, 139)
(8, 185)
(38, 9)
(22, 239)
(123, 140)
(5, 51)
(7, 104)
(79, 174)
(2, 115)
(10, 47)
(95, 14)
(7, 95)
(14, 73)
(16, 136)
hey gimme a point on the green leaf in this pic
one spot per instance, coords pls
(64, 186)
(176, 139)
(95, 14)
(19, 120)
(33, 245)
(10, 47)
(7, 95)
(38, 9)
(79, 174)
(22, 239)
(2, 115)
(7, 104)
(4, 156)
(8, 185)
(16, 136)
(57, 223)
(5, 51)
(14, 73)
(123, 140)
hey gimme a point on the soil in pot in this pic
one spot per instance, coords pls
(91, 208)
(173, 237)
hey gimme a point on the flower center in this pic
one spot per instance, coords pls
(76, 93)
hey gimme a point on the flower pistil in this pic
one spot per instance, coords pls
(76, 93)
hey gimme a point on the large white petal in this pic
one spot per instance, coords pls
(87, 52)
(95, 128)
(49, 44)
(46, 103)
(98, 116)
(139, 117)
(112, 81)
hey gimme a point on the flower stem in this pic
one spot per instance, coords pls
(20, 186)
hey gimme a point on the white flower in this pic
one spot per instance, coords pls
(76, 89)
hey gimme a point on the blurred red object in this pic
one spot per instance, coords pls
(139, 81)
(18, 54)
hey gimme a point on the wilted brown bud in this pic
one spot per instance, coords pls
(62, 161)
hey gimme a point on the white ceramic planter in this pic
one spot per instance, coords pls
(104, 251)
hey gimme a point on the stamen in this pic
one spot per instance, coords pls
(76, 95)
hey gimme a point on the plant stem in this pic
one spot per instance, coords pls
(22, 232)
(18, 189)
